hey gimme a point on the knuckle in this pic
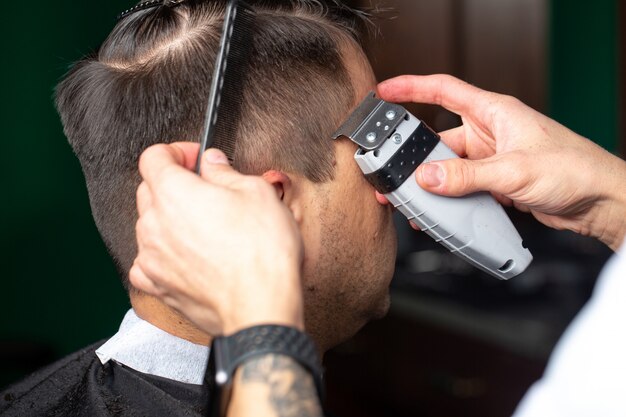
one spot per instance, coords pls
(166, 182)
(519, 166)
(166, 179)
(150, 266)
(142, 192)
(137, 278)
(256, 185)
(520, 160)
(466, 176)
(511, 100)
(450, 79)
(133, 275)
(459, 177)
(142, 235)
(145, 159)
(145, 227)
(140, 231)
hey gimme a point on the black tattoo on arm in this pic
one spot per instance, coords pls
(292, 392)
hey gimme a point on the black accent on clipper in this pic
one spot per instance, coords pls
(405, 161)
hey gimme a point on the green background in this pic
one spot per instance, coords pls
(584, 71)
(59, 287)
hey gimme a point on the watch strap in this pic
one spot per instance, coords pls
(229, 352)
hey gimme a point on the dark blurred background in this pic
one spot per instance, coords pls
(456, 342)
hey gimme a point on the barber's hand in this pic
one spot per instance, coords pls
(523, 157)
(221, 248)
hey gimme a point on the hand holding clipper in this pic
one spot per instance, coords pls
(392, 144)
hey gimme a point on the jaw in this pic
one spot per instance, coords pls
(346, 283)
(330, 326)
(326, 338)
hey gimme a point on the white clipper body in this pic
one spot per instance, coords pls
(392, 144)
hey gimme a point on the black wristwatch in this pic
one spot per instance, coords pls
(228, 352)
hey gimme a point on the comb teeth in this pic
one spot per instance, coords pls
(225, 99)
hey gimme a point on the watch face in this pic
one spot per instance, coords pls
(218, 379)
(210, 381)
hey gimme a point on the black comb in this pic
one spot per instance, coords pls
(225, 98)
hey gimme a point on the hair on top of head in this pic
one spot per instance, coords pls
(149, 82)
(350, 18)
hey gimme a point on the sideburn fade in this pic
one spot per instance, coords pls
(149, 83)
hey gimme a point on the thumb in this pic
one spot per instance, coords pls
(216, 169)
(457, 177)
(213, 156)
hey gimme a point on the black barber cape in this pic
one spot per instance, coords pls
(79, 385)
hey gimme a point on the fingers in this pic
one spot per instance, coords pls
(443, 90)
(161, 162)
(140, 280)
(187, 153)
(216, 170)
(521, 207)
(157, 158)
(144, 198)
(181, 157)
(455, 139)
(504, 200)
(453, 177)
(381, 198)
(215, 156)
(457, 177)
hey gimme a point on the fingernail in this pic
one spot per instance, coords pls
(213, 156)
(432, 175)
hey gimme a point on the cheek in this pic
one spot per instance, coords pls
(384, 238)
(378, 216)
(367, 223)
(377, 235)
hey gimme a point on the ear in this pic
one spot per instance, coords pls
(286, 191)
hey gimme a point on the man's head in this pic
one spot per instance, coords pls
(149, 83)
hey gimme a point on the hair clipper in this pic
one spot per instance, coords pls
(392, 144)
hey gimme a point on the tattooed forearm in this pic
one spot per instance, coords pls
(291, 389)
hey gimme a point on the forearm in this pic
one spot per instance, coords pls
(273, 386)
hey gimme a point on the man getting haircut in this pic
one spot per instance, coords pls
(149, 83)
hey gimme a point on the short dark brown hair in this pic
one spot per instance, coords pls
(149, 83)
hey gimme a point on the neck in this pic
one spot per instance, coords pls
(167, 319)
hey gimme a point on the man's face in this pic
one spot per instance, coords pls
(350, 243)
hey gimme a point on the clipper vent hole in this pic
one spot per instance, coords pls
(508, 265)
